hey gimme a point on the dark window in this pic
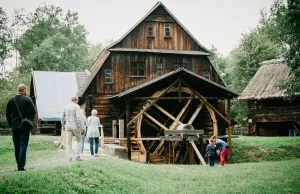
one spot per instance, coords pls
(167, 30)
(159, 69)
(179, 65)
(150, 29)
(137, 69)
(108, 76)
(206, 75)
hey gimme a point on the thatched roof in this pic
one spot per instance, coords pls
(264, 84)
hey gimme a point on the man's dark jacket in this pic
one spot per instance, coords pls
(26, 107)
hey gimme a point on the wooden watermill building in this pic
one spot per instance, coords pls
(268, 113)
(156, 77)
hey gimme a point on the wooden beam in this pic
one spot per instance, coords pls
(248, 115)
(179, 90)
(214, 119)
(139, 135)
(102, 137)
(193, 117)
(179, 115)
(153, 102)
(191, 154)
(158, 147)
(175, 98)
(155, 121)
(128, 129)
(229, 131)
(198, 153)
(172, 153)
(121, 131)
(114, 128)
(205, 101)
(165, 112)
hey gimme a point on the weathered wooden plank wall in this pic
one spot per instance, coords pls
(120, 62)
(179, 39)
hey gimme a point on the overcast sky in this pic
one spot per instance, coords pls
(212, 22)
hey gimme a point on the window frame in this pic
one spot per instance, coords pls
(110, 78)
(150, 32)
(167, 30)
(137, 69)
(159, 70)
(207, 75)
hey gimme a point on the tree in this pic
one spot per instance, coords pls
(5, 40)
(93, 52)
(285, 19)
(221, 63)
(53, 41)
(253, 48)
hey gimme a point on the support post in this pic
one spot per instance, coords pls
(128, 128)
(121, 132)
(101, 137)
(147, 152)
(166, 151)
(229, 130)
(171, 152)
(248, 113)
(191, 154)
(114, 129)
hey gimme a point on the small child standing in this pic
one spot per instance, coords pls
(210, 149)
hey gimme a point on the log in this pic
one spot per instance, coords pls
(153, 102)
(155, 121)
(179, 115)
(198, 153)
(195, 114)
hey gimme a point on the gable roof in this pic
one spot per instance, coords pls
(196, 81)
(143, 18)
(264, 83)
(94, 70)
(53, 90)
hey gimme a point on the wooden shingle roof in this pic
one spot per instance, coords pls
(264, 84)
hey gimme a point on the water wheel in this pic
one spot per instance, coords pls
(166, 115)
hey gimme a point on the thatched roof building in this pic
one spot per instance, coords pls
(264, 84)
(268, 113)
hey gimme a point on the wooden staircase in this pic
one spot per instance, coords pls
(157, 159)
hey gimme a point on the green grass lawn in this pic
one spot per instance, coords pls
(257, 149)
(49, 173)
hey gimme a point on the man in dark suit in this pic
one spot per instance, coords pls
(20, 134)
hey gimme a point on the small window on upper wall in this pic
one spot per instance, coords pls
(207, 75)
(167, 30)
(159, 69)
(138, 69)
(150, 29)
(108, 76)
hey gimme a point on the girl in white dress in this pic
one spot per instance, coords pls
(93, 132)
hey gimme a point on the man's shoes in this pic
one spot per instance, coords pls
(23, 169)
(96, 155)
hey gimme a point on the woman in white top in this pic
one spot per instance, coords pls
(93, 132)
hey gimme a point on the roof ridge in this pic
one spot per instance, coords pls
(148, 13)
